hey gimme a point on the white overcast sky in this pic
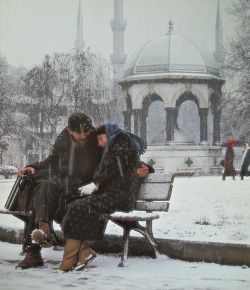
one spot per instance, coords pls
(29, 29)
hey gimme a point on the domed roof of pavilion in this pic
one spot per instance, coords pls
(171, 54)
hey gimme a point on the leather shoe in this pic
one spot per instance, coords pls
(32, 258)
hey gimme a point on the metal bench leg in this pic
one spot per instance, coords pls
(124, 256)
(148, 235)
(151, 238)
(145, 231)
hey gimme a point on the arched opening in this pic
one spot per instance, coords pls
(156, 116)
(187, 119)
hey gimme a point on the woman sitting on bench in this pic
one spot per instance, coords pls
(116, 184)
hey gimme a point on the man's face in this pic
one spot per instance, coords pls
(79, 137)
(102, 140)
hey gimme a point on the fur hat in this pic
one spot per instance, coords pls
(80, 122)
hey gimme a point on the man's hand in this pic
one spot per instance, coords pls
(26, 169)
(88, 189)
(143, 171)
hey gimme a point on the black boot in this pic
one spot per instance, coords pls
(32, 258)
(223, 177)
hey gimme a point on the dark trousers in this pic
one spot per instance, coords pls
(45, 205)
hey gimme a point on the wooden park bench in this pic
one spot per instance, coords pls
(155, 193)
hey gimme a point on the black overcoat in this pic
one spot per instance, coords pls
(245, 164)
(118, 188)
(68, 166)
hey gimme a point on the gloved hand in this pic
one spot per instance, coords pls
(88, 189)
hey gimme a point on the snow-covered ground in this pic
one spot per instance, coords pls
(103, 274)
(202, 209)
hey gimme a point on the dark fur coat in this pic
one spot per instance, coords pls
(118, 187)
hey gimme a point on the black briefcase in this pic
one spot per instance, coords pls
(21, 193)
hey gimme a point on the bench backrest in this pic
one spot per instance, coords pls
(155, 192)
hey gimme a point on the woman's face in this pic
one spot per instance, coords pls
(102, 140)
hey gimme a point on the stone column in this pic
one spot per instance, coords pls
(216, 128)
(170, 123)
(140, 129)
(143, 125)
(216, 109)
(136, 114)
(127, 120)
(203, 112)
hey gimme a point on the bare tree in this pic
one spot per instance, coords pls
(92, 89)
(6, 89)
(66, 83)
(44, 102)
(236, 113)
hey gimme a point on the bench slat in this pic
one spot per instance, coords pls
(159, 177)
(133, 216)
(152, 206)
(22, 213)
(148, 191)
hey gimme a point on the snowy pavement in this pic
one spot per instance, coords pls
(103, 274)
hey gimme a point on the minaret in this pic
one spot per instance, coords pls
(118, 25)
(218, 54)
(79, 43)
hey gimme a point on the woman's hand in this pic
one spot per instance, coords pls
(143, 171)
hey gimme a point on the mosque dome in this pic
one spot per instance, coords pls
(171, 54)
